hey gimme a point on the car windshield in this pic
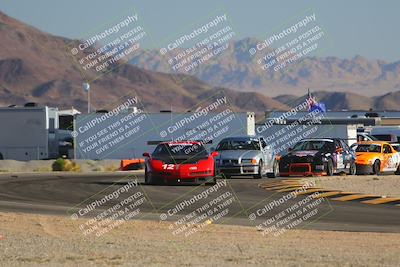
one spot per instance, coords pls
(368, 148)
(396, 147)
(314, 145)
(248, 144)
(179, 149)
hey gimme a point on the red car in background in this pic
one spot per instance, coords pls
(180, 162)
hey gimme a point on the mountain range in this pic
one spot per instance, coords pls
(235, 68)
(37, 67)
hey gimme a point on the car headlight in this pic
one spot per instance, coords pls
(252, 161)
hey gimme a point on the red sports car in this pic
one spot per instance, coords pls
(180, 162)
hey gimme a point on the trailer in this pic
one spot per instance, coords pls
(387, 133)
(28, 133)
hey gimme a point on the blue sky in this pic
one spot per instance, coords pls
(366, 28)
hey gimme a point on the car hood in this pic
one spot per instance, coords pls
(236, 154)
(181, 159)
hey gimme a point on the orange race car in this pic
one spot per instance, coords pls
(374, 157)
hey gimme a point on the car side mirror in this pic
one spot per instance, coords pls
(214, 154)
(147, 155)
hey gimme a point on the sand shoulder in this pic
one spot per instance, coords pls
(32, 240)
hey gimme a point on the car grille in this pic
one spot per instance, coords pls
(300, 168)
(230, 161)
(228, 171)
(200, 173)
(305, 159)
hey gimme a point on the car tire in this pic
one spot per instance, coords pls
(147, 178)
(275, 170)
(376, 167)
(259, 175)
(213, 181)
(352, 169)
(329, 168)
(397, 171)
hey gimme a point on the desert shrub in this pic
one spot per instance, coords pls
(71, 166)
(58, 164)
(65, 165)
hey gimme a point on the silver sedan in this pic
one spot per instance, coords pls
(245, 156)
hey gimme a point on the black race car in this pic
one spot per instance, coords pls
(320, 156)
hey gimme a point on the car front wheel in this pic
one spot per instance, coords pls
(260, 170)
(275, 170)
(213, 180)
(376, 168)
(398, 170)
(329, 168)
(352, 169)
(147, 178)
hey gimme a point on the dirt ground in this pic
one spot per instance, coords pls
(382, 185)
(38, 240)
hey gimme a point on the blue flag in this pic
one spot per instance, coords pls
(314, 105)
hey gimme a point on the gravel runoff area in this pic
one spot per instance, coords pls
(381, 185)
(45, 165)
(38, 240)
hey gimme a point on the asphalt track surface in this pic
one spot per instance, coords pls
(66, 194)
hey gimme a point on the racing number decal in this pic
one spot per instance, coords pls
(168, 166)
(392, 161)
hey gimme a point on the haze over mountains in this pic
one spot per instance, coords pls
(348, 101)
(235, 68)
(36, 67)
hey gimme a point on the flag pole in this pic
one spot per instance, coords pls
(86, 87)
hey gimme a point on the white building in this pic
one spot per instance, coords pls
(128, 134)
